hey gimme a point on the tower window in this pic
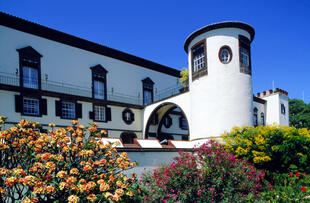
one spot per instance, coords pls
(245, 55)
(225, 54)
(199, 60)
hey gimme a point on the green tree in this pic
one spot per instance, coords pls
(299, 113)
(184, 77)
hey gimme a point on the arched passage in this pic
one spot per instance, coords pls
(167, 122)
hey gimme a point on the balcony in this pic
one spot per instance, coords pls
(65, 88)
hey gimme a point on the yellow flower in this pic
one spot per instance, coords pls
(130, 193)
(73, 199)
(51, 125)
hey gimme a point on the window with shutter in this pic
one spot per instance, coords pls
(199, 60)
(245, 55)
(30, 68)
(99, 82)
(147, 87)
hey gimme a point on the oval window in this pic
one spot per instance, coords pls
(225, 54)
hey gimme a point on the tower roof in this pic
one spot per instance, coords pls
(215, 26)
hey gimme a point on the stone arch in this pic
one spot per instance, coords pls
(156, 119)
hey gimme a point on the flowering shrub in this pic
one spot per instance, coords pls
(296, 188)
(275, 148)
(65, 165)
(210, 174)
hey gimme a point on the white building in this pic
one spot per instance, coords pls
(50, 76)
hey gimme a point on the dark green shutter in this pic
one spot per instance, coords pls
(18, 103)
(43, 106)
(78, 110)
(108, 116)
(58, 108)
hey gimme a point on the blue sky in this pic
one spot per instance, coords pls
(156, 30)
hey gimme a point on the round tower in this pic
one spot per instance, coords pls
(219, 58)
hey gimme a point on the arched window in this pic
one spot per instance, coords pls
(282, 109)
(255, 117)
(127, 137)
(262, 117)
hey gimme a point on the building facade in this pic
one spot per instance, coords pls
(50, 76)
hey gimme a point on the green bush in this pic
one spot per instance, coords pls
(274, 148)
(291, 188)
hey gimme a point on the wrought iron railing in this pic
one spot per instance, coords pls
(66, 88)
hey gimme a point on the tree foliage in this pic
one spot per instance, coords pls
(299, 113)
(184, 76)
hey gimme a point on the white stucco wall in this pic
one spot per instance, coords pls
(223, 98)
(284, 118)
(63, 63)
(272, 109)
(7, 108)
(149, 160)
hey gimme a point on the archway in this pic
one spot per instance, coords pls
(167, 122)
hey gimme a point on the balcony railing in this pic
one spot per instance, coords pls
(59, 87)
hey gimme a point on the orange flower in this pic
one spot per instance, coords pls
(50, 189)
(30, 200)
(104, 187)
(75, 122)
(11, 181)
(119, 192)
(119, 183)
(115, 198)
(92, 129)
(74, 171)
(38, 190)
(51, 166)
(71, 180)
(61, 174)
(87, 168)
(91, 185)
(82, 181)
(92, 197)
(101, 181)
(79, 139)
(73, 199)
